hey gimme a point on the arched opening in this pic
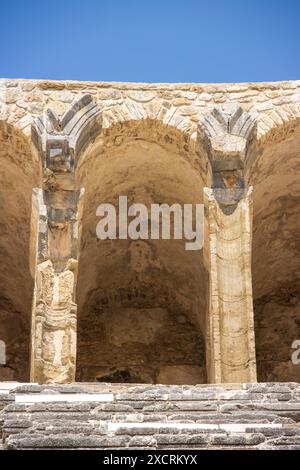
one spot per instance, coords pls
(18, 175)
(275, 176)
(141, 303)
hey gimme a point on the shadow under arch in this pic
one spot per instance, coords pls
(142, 304)
(275, 176)
(20, 171)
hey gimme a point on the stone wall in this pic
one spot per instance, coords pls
(143, 307)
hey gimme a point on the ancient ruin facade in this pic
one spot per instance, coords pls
(76, 308)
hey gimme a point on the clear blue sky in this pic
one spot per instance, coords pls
(151, 40)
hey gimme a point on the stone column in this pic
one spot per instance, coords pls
(231, 352)
(56, 212)
(227, 135)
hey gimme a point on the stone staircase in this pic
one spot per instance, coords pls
(119, 416)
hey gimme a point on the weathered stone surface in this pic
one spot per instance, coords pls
(147, 311)
(89, 425)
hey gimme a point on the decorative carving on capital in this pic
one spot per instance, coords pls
(60, 141)
(226, 134)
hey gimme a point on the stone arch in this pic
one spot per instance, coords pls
(158, 111)
(134, 117)
(141, 304)
(275, 176)
(19, 173)
(278, 124)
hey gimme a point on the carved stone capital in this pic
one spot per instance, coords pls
(226, 134)
(61, 141)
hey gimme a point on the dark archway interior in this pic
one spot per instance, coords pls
(18, 174)
(141, 304)
(276, 257)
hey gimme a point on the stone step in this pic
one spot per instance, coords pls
(283, 412)
(132, 417)
(106, 416)
(154, 441)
